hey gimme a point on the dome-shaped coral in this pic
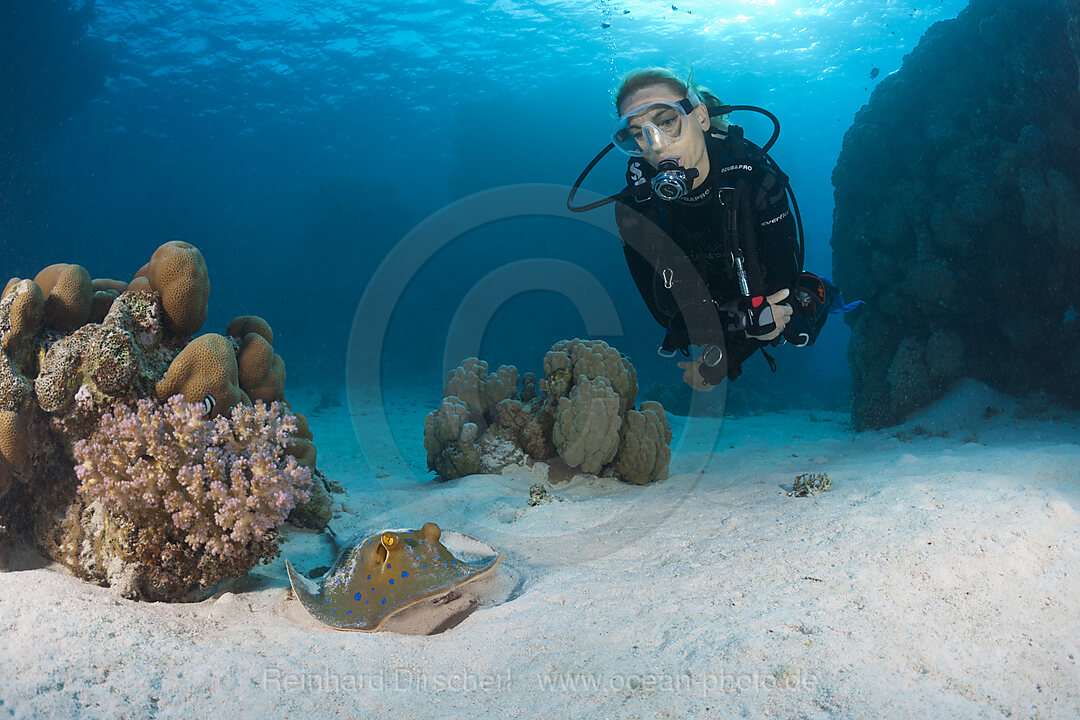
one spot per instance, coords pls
(21, 311)
(12, 446)
(205, 368)
(178, 273)
(244, 324)
(450, 439)
(644, 445)
(68, 296)
(261, 371)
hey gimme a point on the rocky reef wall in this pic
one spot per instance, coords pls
(957, 213)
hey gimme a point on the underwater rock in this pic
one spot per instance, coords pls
(962, 231)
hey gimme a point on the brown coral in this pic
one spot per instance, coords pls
(104, 292)
(12, 446)
(205, 368)
(586, 430)
(450, 439)
(593, 359)
(21, 312)
(244, 324)
(68, 296)
(178, 272)
(261, 370)
(644, 445)
(301, 446)
(480, 390)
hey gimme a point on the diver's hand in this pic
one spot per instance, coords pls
(692, 375)
(781, 312)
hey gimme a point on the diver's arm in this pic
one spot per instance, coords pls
(777, 234)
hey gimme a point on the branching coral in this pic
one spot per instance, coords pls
(219, 485)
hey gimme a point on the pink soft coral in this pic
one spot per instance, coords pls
(221, 486)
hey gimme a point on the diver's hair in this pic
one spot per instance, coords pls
(647, 77)
(707, 96)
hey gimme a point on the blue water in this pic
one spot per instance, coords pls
(297, 144)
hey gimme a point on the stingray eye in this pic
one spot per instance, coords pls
(388, 540)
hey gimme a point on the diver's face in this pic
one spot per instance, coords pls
(689, 149)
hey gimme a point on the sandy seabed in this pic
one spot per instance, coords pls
(938, 578)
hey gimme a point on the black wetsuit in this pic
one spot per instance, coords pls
(680, 253)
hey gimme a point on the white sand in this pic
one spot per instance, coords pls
(939, 578)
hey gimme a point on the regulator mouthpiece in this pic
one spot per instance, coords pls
(672, 181)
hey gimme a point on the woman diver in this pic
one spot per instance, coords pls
(710, 237)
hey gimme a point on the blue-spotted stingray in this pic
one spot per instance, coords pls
(385, 573)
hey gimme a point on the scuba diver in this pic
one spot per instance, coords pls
(711, 240)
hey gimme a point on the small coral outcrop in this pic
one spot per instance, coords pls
(644, 444)
(450, 439)
(579, 418)
(137, 456)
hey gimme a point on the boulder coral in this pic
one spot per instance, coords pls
(962, 231)
(104, 292)
(244, 324)
(261, 371)
(581, 420)
(644, 444)
(177, 272)
(13, 446)
(450, 438)
(112, 382)
(481, 391)
(206, 369)
(586, 429)
(68, 296)
(301, 446)
(21, 311)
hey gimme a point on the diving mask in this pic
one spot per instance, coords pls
(651, 124)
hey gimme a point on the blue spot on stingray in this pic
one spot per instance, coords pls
(384, 601)
(327, 599)
(391, 581)
(331, 611)
(387, 566)
(365, 602)
(356, 596)
(361, 558)
(423, 566)
(348, 612)
(369, 577)
(404, 573)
